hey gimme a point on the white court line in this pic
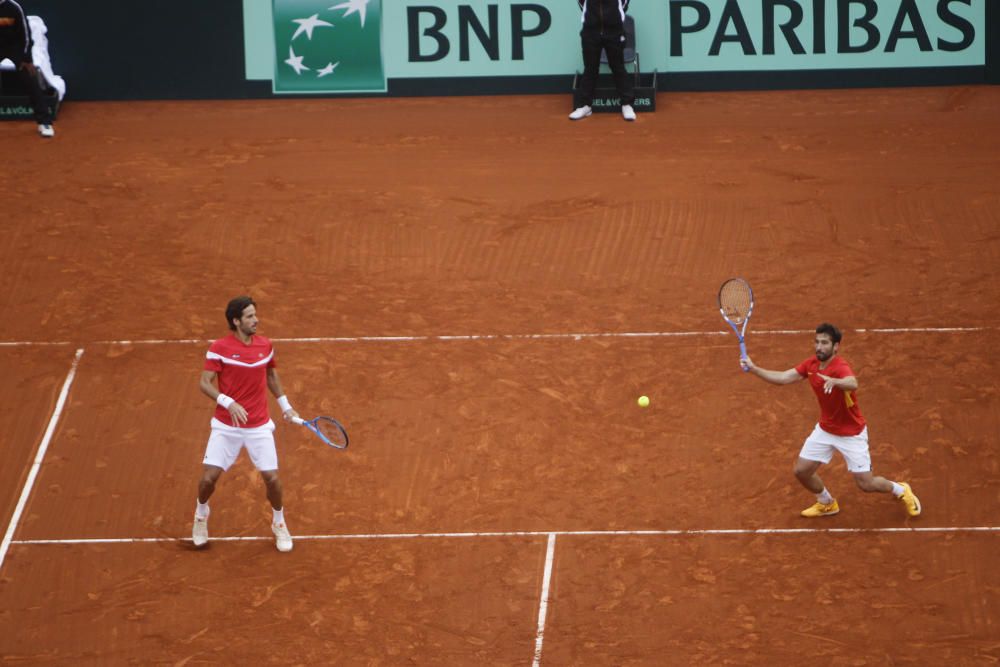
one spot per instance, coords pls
(537, 533)
(42, 448)
(29, 343)
(543, 603)
(475, 337)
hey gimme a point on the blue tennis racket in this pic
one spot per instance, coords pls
(736, 306)
(327, 429)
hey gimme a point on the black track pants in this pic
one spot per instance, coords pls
(614, 45)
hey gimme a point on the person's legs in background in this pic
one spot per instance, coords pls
(591, 45)
(31, 78)
(614, 46)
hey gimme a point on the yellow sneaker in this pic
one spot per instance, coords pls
(819, 509)
(910, 500)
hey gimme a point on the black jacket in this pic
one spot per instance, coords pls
(604, 16)
(15, 37)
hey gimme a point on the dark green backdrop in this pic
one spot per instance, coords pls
(193, 49)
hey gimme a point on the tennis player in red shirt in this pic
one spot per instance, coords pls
(841, 427)
(242, 365)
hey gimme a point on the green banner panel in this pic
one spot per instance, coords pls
(328, 48)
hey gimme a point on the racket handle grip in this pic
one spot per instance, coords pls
(298, 420)
(743, 355)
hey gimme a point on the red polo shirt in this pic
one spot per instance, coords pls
(839, 412)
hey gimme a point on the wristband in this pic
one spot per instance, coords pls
(284, 404)
(224, 401)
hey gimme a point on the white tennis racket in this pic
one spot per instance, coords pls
(736, 306)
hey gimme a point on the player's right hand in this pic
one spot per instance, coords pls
(746, 363)
(238, 414)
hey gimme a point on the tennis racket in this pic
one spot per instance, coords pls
(327, 429)
(736, 306)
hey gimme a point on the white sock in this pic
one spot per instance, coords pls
(897, 489)
(201, 511)
(824, 497)
(279, 515)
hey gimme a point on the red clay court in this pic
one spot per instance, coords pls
(480, 292)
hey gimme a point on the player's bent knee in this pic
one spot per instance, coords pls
(804, 471)
(210, 473)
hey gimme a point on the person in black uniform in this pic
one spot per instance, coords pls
(15, 44)
(604, 28)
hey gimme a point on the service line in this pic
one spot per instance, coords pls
(526, 336)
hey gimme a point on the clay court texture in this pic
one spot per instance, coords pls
(480, 291)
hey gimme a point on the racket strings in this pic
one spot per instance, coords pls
(331, 431)
(734, 299)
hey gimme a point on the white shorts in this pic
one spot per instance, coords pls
(820, 445)
(225, 443)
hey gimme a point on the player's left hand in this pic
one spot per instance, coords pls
(829, 383)
(29, 68)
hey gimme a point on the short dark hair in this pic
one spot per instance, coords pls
(235, 308)
(831, 331)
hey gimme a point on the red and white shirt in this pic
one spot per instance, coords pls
(242, 372)
(839, 410)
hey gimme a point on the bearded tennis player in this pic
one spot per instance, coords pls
(237, 370)
(841, 426)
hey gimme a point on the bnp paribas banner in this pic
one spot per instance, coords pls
(322, 48)
(356, 46)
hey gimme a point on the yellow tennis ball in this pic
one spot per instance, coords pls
(643, 401)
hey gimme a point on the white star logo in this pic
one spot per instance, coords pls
(308, 25)
(326, 70)
(352, 6)
(295, 61)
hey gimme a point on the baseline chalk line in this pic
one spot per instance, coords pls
(534, 533)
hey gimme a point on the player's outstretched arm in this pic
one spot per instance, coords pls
(774, 377)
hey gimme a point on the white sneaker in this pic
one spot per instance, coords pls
(628, 113)
(581, 112)
(46, 130)
(282, 538)
(199, 533)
